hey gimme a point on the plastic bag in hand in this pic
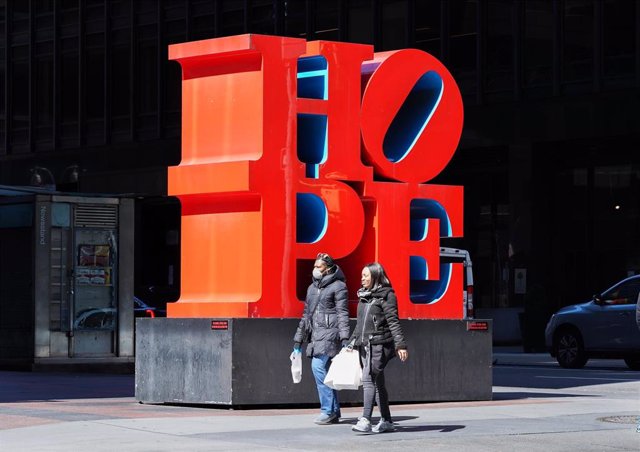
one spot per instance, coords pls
(296, 366)
(345, 371)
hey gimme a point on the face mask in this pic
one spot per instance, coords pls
(317, 274)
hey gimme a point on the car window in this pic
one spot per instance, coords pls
(625, 293)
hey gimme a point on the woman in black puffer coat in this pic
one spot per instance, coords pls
(325, 326)
(378, 336)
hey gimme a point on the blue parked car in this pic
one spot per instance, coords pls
(604, 327)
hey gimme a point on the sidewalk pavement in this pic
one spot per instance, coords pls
(514, 356)
(78, 412)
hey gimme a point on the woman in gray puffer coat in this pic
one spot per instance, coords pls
(325, 325)
(379, 338)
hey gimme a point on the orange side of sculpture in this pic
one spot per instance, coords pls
(292, 148)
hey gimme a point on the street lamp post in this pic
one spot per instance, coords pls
(43, 178)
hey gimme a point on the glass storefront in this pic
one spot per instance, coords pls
(593, 224)
(563, 218)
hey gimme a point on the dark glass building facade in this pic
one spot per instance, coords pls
(549, 154)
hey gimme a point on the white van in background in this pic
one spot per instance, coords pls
(454, 255)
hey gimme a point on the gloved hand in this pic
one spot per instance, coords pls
(296, 347)
(345, 342)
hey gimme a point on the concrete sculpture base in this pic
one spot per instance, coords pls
(240, 362)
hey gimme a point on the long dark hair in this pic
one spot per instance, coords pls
(378, 276)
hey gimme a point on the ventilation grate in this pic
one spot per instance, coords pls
(91, 216)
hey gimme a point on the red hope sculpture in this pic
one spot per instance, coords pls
(284, 155)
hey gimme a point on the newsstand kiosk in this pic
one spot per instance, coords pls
(66, 280)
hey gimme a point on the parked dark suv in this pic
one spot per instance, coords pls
(604, 327)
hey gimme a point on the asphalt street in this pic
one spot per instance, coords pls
(536, 406)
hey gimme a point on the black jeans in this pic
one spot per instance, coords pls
(374, 359)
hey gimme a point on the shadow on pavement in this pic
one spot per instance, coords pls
(540, 377)
(531, 395)
(374, 419)
(34, 386)
(430, 428)
(413, 428)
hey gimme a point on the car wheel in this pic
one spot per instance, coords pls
(570, 350)
(633, 363)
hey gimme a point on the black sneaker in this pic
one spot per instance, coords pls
(325, 419)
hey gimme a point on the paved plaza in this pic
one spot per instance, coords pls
(536, 406)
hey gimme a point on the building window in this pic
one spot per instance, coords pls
(120, 80)
(18, 73)
(3, 69)
(146, 73)
(538, 45)
(43, 114)
(94, 68)
(175, 31)
(19, 17)
(43, 73)
(500, 50)
(3, 116)
(619, 39)
(262, 17)
(69, 98)
(394, 25)
(203, 19)
(68, 30)
(360, 28)
(577, 49)
(95, 92)
(295, 19)
(232, 21)
(463, 45)
(20, 101)
(427, 31)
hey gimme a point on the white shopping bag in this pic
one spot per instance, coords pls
(345, 371)
(296, 366)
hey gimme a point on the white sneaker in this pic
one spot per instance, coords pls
(384, 426)
(363, 425)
